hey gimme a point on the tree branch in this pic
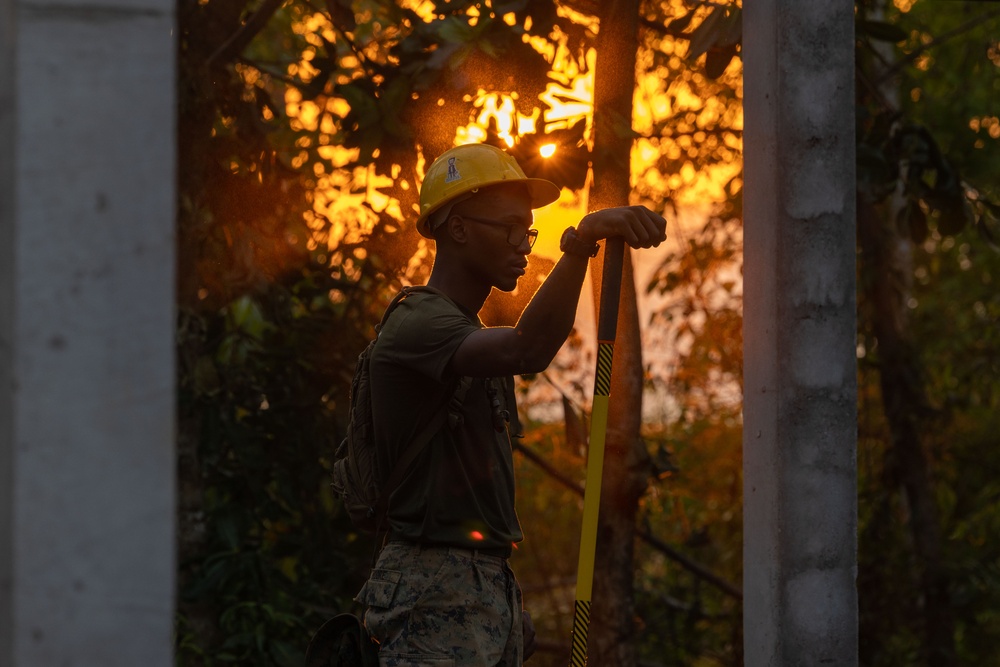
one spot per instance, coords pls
(937, 41)
(877, 95)
(238, 41)
(661, 27)
(719, 132)
(664, 548)
(273, 73)
(549, 469)
(690, 565)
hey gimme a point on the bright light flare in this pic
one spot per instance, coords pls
(547, 150)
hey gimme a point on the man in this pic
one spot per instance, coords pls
(442, 592)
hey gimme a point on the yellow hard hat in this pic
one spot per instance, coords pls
(464, 169)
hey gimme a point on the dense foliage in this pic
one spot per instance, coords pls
(304, 131)
(927, 223)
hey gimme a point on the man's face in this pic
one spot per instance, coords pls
(498, 221)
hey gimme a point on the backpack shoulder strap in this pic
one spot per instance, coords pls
(402, 294)
(422, 439)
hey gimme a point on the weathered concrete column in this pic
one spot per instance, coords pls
(800, 421)
(86, 332)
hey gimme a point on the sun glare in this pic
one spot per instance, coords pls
(346, 203)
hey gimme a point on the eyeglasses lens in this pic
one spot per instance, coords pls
(516, 234)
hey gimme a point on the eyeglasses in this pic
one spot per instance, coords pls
(515, 232)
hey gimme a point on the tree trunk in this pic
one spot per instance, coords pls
(886, 256)
(624, 478)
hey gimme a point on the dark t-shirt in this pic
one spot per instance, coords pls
(460, 490)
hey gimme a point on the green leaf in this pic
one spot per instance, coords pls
(362, 104)
(487, 47)
(456, 30)
(882, 31)
(707, 34)
(246, 316)
(442, 56)
(677, 26)
(721, 29)
(718, 60)
(955, 214)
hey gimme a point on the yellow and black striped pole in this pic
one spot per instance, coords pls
(607, 323)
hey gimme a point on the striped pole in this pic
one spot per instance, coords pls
(607, 323)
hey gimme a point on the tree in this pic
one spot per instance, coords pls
(925, 187)
(625, 474)
(910, 189)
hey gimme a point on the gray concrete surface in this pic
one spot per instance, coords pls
(86, 333)
(800, 421)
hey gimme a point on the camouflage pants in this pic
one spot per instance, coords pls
(443, 607)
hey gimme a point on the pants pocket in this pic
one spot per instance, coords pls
(380, 589)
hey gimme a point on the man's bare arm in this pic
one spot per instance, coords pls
(531, 345)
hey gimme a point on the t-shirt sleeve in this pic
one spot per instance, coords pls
(425, 332)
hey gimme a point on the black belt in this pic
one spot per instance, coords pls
(498, 552)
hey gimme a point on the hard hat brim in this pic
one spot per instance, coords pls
(540, 191)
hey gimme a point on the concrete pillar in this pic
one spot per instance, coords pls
(86, 332)
(800, 421)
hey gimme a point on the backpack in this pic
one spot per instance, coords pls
(357, 480)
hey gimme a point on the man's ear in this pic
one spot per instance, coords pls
(456, 229)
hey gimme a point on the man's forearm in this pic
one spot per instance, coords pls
(548, 319)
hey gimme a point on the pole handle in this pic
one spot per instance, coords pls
(611, 285)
